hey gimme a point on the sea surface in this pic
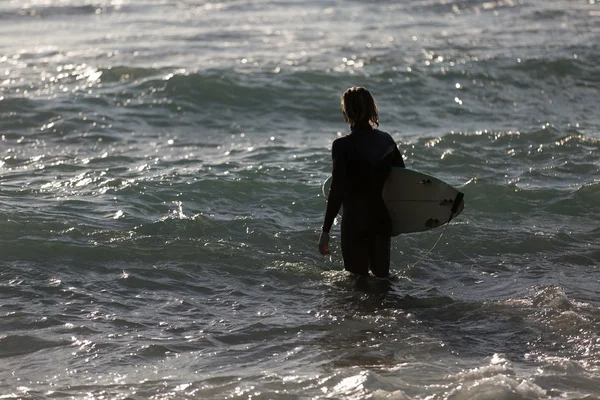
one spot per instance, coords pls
(161, 164)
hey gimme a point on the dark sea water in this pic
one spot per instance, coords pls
(161, 166)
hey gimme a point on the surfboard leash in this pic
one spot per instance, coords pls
(459, 197)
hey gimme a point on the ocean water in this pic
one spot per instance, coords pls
(161, 166)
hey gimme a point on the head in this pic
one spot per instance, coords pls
(359, 107)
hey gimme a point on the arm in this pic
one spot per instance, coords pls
(334, 198)
(392, 156)
(336, 192)
(397, 160)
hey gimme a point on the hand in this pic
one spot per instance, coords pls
(324, 243)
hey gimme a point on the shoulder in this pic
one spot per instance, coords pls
(340, 143)
(385, 136)
(382, 133)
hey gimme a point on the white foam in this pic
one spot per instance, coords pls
(496, 380)
(497, 388)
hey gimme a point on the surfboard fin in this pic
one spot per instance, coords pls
(432, 223)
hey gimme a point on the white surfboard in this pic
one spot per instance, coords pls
(416, 201)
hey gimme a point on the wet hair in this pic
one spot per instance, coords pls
(359, 107)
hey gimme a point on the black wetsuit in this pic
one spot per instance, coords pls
(361, 164)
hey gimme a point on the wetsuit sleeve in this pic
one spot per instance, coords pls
(392, 157)
(336, 192)
(397, 160)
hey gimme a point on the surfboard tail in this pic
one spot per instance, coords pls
(457, 201)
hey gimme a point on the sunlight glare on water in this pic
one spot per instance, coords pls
(161, 194)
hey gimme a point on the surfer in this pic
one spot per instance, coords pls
(361, 163)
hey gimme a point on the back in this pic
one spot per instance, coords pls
(365, 157)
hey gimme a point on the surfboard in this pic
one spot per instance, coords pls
(416, 201)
